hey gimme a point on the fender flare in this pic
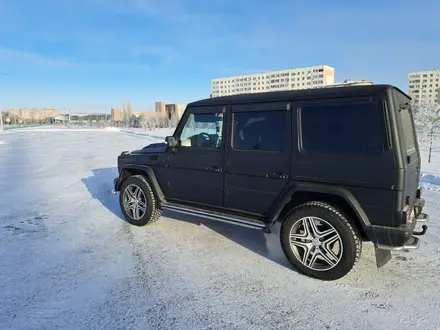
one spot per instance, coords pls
(147, 172)
(321, 189)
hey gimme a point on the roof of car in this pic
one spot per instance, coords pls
(313, 93)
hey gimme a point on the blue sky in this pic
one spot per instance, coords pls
(90, 55)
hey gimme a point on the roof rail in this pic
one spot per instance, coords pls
(349, 82)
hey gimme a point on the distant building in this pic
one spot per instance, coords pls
(283, 80)
(424, 86)
(116, 114)
(148, 114)
(34, 114)
(178, 109)
(160, 107)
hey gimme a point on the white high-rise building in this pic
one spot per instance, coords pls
(424, 86)
(302, 78)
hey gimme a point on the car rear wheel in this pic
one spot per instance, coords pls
(137, 201)
(319, 241)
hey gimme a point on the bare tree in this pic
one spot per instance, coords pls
(123, 114)
(163, 121)
(129, 116)
(143, 122)
(174, 119)
(427, 119)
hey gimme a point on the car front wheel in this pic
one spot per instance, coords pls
(319, 241)
(137, 201)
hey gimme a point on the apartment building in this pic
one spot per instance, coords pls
(116, 114)
(424, 86)
(160, 107)
(34, 114)
(283, 80)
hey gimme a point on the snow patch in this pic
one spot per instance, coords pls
(430, 182)
(2, 142)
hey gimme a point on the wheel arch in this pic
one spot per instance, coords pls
(337, 197)
(147, 172)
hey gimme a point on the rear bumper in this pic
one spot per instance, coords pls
(403, 237)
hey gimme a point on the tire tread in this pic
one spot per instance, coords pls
(334, 210)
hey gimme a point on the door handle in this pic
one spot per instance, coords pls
(214, 169)
(277, 175)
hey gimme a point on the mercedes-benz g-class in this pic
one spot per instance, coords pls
(335, 166)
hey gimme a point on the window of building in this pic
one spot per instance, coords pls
(320, 70)
(342, 128)
(202, 130)
(255, 130)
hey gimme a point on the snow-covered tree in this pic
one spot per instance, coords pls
(174, 119)
(129, 113)
(123, 114)
(427, 119)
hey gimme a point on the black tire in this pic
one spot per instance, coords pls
(348, 234)
(153, 211)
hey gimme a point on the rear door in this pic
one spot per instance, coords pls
(258, 156)
(409, 146)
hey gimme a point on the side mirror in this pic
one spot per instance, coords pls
(171, 142)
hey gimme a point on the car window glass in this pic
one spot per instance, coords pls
(259, 130)
(408, 130)
(351, 128)
(202, 130)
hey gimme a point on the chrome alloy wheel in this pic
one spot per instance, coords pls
(316, 243)
(134, 201)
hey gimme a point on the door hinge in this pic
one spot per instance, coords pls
(288, 106)
(224, 110)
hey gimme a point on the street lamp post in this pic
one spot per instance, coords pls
(430, 142)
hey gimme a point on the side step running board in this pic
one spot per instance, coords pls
(412, 244)
(215, 217)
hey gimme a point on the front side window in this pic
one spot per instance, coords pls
(203, 130)
(259, 130)
(351, 128)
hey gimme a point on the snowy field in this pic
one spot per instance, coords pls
(69, 261)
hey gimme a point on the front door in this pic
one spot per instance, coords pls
(194, 172)
(258, 156)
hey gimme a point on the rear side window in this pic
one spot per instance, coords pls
(408, 130)
(350, 128)
(259, 130)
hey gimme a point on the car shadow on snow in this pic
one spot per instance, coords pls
(100, 186)
(266, 245)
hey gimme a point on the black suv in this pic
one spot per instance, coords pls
(335, 166)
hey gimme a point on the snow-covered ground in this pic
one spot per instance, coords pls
(68, 260)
